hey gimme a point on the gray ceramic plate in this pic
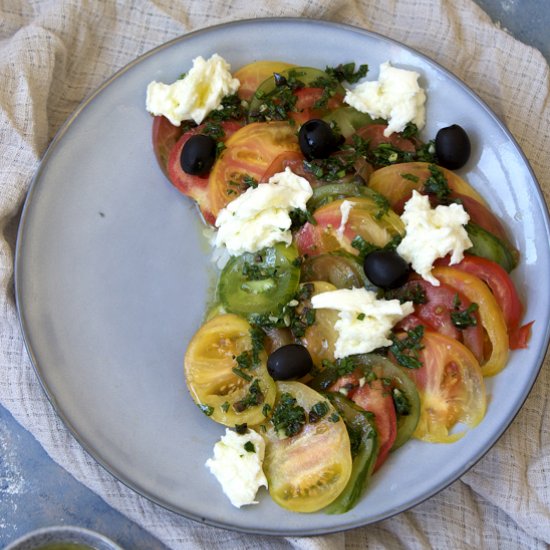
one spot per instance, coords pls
(113, 277)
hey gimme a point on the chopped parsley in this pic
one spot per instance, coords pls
(436, 184)
(231, 108)
(464, 318)
(402, 405)
(206, 409)
(345, 72)
(288, 417)
(405, 350)
(241, 429)
(249, 447)
(318, 411)
(251, 399)
(414, 293)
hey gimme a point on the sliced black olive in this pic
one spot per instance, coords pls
(290, 361)
(452, 147)
(198, 155)
(386, 269)
(317, 139)
(280, 80)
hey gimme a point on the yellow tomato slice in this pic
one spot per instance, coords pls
(252, 75)
(248, 153)
(211, 372)
(451, 389)
(489, 311)
(307, 471)
(397, 181)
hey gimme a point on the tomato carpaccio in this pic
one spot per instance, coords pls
(427, 380)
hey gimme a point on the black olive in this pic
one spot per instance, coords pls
(386, 269)
(198, 155)
(452, 147)
(290, 361)
(317, 140)
(280, 80)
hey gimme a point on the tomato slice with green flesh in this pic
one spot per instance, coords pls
(505, 293)
(341, 269)
(252, 75)
(436, 313)
(212, 373)
(490, 314)
(366, 219)
(374, 397)
(348, 120)
(451, 388)
(248, 153)
(364, 451)
(487, 245)
(195, 187)
(165, 136)
(307, 471)
(306, 95)
(260, 283)
(396, 182)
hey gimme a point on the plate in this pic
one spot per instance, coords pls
(113, 275)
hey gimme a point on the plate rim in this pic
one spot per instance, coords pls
(114, 471)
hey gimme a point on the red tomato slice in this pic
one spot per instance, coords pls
(248, 152)
(305, 102)
(195, 187)
(289, 159)
(373, 397)
(451, 388)
(374, 133)
(436, 315)
(505, 292)
(164, 135)
(252, 75)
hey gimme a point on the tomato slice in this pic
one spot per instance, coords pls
(490, 314)
(252, 75)
(307, 471)
(306, 98)
(248, 153)
(195, 187)
(374, 134)
(435, 313)
(505, 292)
(451, 388)
(365, 219)
(224, 390)
(397, 181)
(165, 135)
(260, 283)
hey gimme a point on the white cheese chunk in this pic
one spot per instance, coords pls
(364, 322)
(237, 465)
(432, 233)
(195, 95)
(396, 96)
(260, 216)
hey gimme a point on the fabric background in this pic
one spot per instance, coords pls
(54, 53)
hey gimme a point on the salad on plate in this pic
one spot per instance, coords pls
(363, 293)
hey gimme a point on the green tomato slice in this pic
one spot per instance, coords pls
(260, 283)
(490, 247)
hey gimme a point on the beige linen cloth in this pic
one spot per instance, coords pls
(54, 53)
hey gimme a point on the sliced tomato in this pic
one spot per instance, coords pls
(376, 398)
(451, 388)
(435, 313)
(490, 314)
(248, 153)
(252, 75)
(224, 393)
(165, 135)
(307, 471)
(365, 219)
(374, 134)
(288, 159)
(305, 104)
(195, 187)
(505, 292)
(396, 182)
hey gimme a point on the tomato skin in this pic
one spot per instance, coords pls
(249, 151)
(451, 388)
(505, 293)
(252, 75)
(164, 136)
(490, 314)
(195, 187)
(307, 471)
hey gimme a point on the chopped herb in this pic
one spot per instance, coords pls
(405, 350)
(266, 409)
(213, 129)
(363, 246)
(346, 72)
(341, 367)
(258, 272)
(360, 316)
(250, 181)
(225, 406)
(241, 429)
(334, 417)
(402, 405)
(206, 409)
(426, 152)
(288, 417)
(414, 293)
(231, 108)
(318, 411)
(410, 131)
(299, 217)
(249, 447)
(383, 205)
(411, 177)
(436, 184)
(465, 318)
(355, 439)
(240, 373)
(251, 399)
